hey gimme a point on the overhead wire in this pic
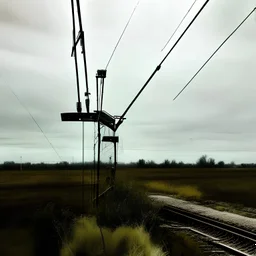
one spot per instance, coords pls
(128, 22)
(74, 50)
(179, 25)
(94, 161)
(159, 66)
(83, 166)
(214, 53)
(32, 117)
(81, 36)
(100, 99)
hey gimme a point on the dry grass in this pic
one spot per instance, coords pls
(128, 241)
(183, 191)
(31, 178)
(235, 186)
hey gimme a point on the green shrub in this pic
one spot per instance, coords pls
(123, 241)
(126, 205)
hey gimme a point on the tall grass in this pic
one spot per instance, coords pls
(183, 191)
(127, 205)
(123, 241)
(127, 219)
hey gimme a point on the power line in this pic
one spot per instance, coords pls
(83, 166)
(80, 38)
(35, 122)
(179, 25)
(74, 50)
(159, 66)
(122, 34)
(214, 53)
(81, 35)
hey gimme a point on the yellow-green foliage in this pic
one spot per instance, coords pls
(185, 191)
(124, 241)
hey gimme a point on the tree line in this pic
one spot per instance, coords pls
(202, 162)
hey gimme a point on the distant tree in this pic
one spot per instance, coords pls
(173, 163)
(232, 164)
(166, 163)
(151, 164)
(10, 165)
(141, 163)
(202, 161)
(181, 164)
(211, 162)
(221, 164)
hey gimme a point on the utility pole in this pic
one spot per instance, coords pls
(99, 116)
(101, 74)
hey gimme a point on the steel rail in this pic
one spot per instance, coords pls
(239, 235)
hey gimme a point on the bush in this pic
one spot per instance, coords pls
(221, 164)
(89, 239)
(126, 205)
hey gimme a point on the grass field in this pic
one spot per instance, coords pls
(228, 185)
(22, 194)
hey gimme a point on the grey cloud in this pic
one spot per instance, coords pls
(35, 15)
(215, 115)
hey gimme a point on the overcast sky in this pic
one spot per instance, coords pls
(215, 115)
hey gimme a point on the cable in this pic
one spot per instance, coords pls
(75, 53)
(35, 122)
(80, 38)
(83, 166)
(83, 48)
(108, 149)
(214, 53)
(159, 66)
(122, 34)
(94, 161)
(179, 25)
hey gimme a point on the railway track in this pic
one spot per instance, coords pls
(235, 240)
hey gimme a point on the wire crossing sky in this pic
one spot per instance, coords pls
(215, 117)
(214, 53)
(34, 120)
(176, 29)
(127, 24)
